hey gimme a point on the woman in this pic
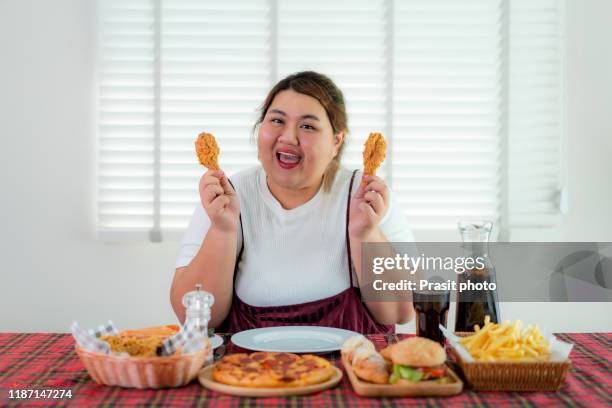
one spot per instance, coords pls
(275, 244)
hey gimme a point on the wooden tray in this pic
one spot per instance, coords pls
(420, 389)
(207, 381)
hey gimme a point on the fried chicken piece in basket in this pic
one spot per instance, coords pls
(207, 150)
(135, 346)
(374, 153)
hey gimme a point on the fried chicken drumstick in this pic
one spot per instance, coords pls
(374, 153)
(207, 150)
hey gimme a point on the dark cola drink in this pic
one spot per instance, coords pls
(431, 309)
(475, 304)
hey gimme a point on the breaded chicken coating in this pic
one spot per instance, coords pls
(207, 150)
(374, 153)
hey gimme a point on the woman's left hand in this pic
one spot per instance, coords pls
(368, 206)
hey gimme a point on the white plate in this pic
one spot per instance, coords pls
(293, 339)
(215, 341)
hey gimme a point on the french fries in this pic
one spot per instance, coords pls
(507, 342)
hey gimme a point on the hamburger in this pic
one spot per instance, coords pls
(416, 359)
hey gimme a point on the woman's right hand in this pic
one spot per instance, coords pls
(220, 201)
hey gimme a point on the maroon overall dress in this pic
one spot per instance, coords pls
(343, 310)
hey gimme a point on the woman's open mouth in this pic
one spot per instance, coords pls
(288, 160)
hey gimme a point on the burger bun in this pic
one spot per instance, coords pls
(416, 352)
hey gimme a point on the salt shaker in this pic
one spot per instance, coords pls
(198, 304)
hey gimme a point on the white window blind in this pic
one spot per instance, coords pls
(126, 116)
(536, 111)
(349, 44)
(215, 73)
(446, 114)
(206, 65)
(469, 95)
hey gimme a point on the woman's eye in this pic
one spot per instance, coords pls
(276, 120)
(308, 127)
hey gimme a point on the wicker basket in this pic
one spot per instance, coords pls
(512, 376)
(143, 372)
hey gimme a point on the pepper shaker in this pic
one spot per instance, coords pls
(198, 304)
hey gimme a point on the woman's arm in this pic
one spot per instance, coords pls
(213, 265)
(367, 208)
(384, 312)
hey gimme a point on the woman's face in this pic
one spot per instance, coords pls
(296, 141)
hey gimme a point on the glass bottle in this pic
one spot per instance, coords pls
(474, 304)
(198, 304)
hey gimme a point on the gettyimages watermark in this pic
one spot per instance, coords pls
(515, 272)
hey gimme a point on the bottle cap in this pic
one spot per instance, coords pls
(198, 299)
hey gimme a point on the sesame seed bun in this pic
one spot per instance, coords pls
(416, 352)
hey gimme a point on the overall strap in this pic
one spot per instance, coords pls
(241, 234)
(348, 241)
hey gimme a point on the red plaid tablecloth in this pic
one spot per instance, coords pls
(48, 361)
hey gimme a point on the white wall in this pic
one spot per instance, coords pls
(53, 269)
(589, 160)
(589, 97)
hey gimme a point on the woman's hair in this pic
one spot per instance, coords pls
(329, 96)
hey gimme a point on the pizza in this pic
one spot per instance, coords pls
(272, 370)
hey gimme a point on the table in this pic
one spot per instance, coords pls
(47, 361)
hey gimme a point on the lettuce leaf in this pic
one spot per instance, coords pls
(407, 373)
(395, 375)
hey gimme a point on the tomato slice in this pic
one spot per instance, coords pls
(434, 372)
